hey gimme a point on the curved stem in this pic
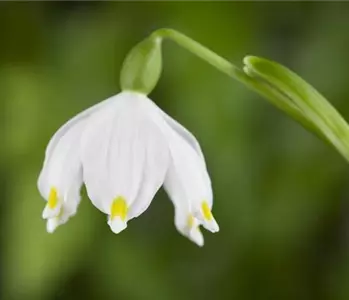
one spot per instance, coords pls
(276, 97)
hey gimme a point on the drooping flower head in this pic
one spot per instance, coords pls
(124, 149)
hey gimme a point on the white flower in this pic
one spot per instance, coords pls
(124, 149)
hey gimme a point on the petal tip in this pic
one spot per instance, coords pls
(117, 225)
(196, 236)
(211, 225)
(51, 225)
(48, 213)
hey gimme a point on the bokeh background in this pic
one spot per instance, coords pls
(281, 195)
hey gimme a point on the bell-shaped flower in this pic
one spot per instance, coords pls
(124, 149)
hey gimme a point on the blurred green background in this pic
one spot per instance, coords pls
(281, 195)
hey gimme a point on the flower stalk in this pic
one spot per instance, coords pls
(280, 86)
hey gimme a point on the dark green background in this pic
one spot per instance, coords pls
(281, 195)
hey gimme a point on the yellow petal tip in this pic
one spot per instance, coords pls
(52, 198)
(206, 211)
(119, 208)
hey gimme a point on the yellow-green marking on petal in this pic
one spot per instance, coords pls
(118, 208)
(190, 221)
(52, 198)
(206, 211)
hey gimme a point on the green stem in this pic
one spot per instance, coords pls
(199, 50)
(276, 97)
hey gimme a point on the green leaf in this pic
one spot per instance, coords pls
(316, 109)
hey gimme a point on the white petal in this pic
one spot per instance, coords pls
(186, 174)
(211, 225)
(125, 156)
(182, 132)
(62, 167)
(112, 154)
(71, 201)
(187, 181)
(52, 224)
(62, 170)
(187, 136)
(73, 121)
(61, 143)
(155, 165)
(67, 210)
(51, 213)
(196, 236)
(187, 225)
(117, 225)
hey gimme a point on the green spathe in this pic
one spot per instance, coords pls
(313, 106)
(142, 67)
